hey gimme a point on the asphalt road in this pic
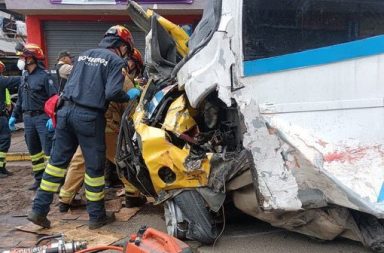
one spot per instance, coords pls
(259, 239)
(245, 234)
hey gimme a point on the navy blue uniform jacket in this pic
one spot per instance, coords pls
(96, 79)
(34, 91)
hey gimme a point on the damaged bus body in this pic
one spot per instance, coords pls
(276, 105)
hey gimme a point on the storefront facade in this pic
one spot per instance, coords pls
(77, 25)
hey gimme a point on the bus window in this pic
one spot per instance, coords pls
(278, 27)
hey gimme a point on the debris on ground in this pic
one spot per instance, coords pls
(74, 232)
(16, 200)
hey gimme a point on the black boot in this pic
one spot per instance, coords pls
(39, 219)
(3, 171)
(94, 224)
(64, 207)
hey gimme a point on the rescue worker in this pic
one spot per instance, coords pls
(63, 68)
(75, 174)
(35, 89)
(6, 83)
(95, 80)
(135, 69)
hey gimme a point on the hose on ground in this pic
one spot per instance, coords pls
(98, 248)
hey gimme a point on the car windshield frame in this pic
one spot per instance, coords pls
(203, 32)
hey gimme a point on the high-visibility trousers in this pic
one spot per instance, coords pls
(75, 174)
(76, 125)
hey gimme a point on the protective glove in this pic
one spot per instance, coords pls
(49, 126)
(133, 93)
(11, 123)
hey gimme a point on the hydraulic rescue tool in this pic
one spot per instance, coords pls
(61, 246)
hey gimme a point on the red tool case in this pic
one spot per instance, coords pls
(149, 240)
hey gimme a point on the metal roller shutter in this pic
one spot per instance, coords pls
(77, 37)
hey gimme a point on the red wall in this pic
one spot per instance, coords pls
(35, 31)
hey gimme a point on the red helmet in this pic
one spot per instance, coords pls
(138, 60)
(121, 33)
(30, 50)
(2, 67)
(136, 56)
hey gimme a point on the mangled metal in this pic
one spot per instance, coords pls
(202, 129)
(199, 81)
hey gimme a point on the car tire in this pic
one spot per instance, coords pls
(201, 225)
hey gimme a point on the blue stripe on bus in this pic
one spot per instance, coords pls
(313, 57)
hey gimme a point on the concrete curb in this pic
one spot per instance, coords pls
(19, 156)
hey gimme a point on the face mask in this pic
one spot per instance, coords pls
(21, 64)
